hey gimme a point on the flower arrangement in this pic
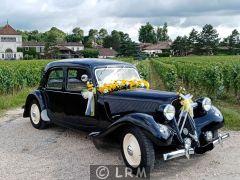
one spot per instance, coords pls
(122, 84)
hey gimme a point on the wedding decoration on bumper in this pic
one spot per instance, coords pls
(89, 92)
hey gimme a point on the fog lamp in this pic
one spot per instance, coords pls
(209, 136)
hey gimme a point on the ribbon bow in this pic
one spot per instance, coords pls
(186, 103)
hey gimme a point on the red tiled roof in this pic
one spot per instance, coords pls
(8, 30)
(107, 52)
(158, 46)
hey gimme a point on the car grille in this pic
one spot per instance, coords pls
(185, 124)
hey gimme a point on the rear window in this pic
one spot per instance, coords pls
(55, 79)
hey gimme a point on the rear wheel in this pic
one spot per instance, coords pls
(137, 150)
(35, 116)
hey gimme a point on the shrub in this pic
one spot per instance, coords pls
(90, 53)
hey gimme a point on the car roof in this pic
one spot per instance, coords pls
(90, 62)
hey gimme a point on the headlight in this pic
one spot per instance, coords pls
(169, 112)
(207, 104)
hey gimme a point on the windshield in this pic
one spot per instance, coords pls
(107, 75)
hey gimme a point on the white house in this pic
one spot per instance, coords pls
(10, 40)
(74, 46)
(38, 46)
(153, 49)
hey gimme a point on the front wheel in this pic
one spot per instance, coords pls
(137, 150)
(35, 116)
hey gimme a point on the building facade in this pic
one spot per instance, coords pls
(10, 41)
(155, 49)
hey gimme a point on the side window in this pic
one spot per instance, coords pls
(55, 79)
(74, 82)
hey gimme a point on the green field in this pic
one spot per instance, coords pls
(217, 77)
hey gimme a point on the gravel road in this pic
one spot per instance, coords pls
(58, 153)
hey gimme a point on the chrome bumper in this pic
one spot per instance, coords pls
(188, 152)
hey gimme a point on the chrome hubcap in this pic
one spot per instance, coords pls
(132, 150)
(35, 114)
(129, 150)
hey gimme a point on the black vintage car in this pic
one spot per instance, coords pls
(72, 94)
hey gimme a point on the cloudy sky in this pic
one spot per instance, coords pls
(125, 15)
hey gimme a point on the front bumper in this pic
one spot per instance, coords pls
(190, 151)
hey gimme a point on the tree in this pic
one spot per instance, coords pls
(54, 35)
(90, 53)
(209, 39)
(180, 46)
(162, 33)
(78, 31)
(88, 41)
(129, 48)
(115, 39)
(101, 35)
(234, 39)
(193, 40)
(147, 34)
(76, 36)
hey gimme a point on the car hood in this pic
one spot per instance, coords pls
(137, 100)
(144, 94)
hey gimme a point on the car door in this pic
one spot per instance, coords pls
(75, 104)
(54, 95)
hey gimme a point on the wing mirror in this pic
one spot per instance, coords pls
(84, 78)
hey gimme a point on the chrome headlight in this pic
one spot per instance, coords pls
(207, 104)
(169, 112)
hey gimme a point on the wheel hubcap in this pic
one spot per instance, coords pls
(35, 114)
(132, 150)
(129, 150)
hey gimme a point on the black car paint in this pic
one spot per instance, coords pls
(137, 107)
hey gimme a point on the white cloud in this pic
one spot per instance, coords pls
(124, 15)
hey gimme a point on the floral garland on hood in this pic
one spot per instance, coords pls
(89, 92)
(122, 85)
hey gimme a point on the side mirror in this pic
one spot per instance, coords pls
(84, 78)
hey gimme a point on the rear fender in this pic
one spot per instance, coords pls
(37, 95)
(143, 121)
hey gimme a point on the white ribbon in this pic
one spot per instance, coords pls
(90, 110)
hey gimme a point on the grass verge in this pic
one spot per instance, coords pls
(13, 100)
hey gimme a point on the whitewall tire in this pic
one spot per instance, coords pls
(137, 150)
(35, 116)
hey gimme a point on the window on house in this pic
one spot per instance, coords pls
(14, 56)
(55, 79)
(38, 49)
(8, 39)
(2, 56)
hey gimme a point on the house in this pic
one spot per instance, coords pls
(10, 41)
(106, 52)
(154, 49)
(74, 46)
(37, 46)
(62, 52)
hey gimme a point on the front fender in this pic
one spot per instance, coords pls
(213, 120)
(34, 95)
(143, 121)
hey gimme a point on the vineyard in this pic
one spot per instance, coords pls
(17, 75)
(217, 77)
